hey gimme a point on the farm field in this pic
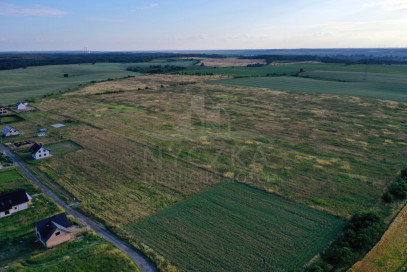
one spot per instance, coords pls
(20, 251)
(385, 87)
(333, 153)
(20, 84)
(294, 68)
(147, 149)
(232, 227)
(390, 254)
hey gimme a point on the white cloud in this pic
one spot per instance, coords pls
(389, 5)
(153, 5)
(7, 9)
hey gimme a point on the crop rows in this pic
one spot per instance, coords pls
(232, 227)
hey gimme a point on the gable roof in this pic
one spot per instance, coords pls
(7, 128)
(8, 200)
(48, 226)
(35, 147)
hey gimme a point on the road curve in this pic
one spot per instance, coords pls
(142, 262)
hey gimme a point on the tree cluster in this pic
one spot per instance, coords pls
(14, 61)
(360, 234)
(398, 190)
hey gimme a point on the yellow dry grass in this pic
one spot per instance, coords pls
(390, 254)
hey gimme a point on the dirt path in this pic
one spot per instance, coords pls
(142, 262)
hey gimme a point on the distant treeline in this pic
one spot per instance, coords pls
(156, 69)
(14, 61)
(354, 59)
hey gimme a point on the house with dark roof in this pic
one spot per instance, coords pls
(54, 230)
(3, 110)
(39, 152)
(9, 131)
(14, 202)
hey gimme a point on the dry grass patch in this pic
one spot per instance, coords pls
(390, 254)
(265, 138)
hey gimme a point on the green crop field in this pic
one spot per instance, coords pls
(291, 69)
(232, 227)
(396, 90)
(20, 84)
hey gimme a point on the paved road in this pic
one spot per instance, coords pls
(143, 263)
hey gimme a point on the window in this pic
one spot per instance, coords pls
(57, 233)
(7, 212)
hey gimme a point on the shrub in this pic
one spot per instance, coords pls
(388, 197)
(398, 190)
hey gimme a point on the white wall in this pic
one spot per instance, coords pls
(15, 209)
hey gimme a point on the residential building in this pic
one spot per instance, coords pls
(39, 152)
(14, 202)
(54, 230)
(9, 131)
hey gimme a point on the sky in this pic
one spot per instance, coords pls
(132, 25)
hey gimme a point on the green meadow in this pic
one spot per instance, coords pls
(293, 68)
(387, 87)
(21, 84)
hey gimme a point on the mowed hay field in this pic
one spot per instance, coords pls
(333, 153)
(232, 227)
(380, 86)
(390, 254)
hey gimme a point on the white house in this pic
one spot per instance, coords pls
(14, 202)
(9, 131)
(3, 110)
(21, 106)
(40, 152)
